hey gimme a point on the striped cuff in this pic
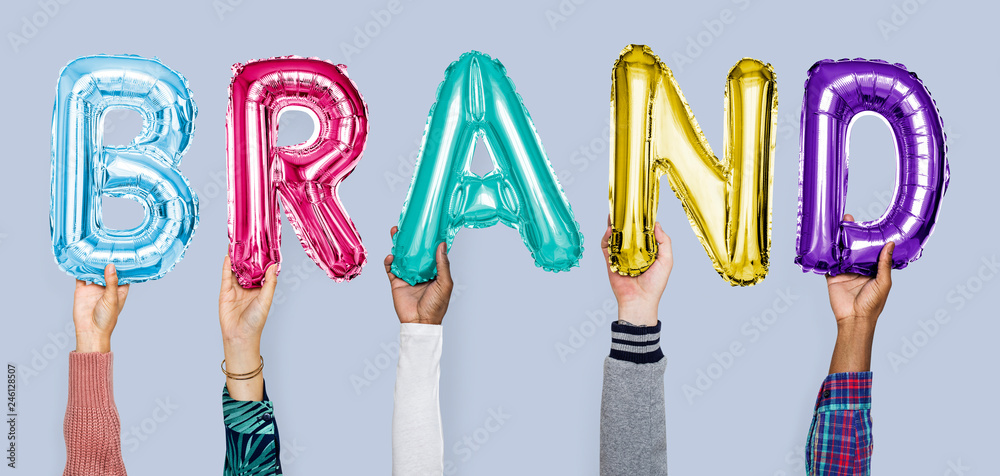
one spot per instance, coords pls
(637, 344)
(845, 391)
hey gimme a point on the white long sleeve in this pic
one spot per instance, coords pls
(417, 439)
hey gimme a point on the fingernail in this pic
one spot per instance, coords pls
(111, 267)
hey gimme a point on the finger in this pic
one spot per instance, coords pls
(848, 217)
(270, 283)
(392, 231)
(884, 276)
(606, 249)
(110, 284)
(664, 250)
(443, 265)
(388, 265)
(80, 284)
(122, 296)
(227, 274)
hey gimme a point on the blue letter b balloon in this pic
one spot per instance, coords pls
(145, 171)
(478, 100)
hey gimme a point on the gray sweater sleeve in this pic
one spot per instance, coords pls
(633, 422)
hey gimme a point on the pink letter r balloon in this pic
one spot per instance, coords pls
(305, 176)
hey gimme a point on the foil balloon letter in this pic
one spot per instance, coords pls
(837, 93)
(477, 100)
(727, 201)
(84, 170)
(305, 177)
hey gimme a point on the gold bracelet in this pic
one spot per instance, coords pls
(243, 376)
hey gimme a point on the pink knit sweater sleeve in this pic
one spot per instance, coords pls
(91, 428)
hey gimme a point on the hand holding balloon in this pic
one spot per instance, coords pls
(95, 311)
(424, 303)
(242, 314)
(857, 301)
(639, 296)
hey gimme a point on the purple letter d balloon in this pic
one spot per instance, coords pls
(837, 92)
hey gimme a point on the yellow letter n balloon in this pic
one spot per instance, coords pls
(654, 132)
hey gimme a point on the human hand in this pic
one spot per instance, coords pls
(857, 301)
(242, 314)
(95, 311)
(424, 303)
(639, 296)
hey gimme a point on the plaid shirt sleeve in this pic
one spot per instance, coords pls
(840, 437)
(252, 447)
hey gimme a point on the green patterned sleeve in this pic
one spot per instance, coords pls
(252, 447)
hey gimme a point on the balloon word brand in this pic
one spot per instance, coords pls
(654, 133)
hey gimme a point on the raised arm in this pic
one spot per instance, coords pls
(417, 440)
(252, 444)
(91, 428)
(633, 422)
(840, 440)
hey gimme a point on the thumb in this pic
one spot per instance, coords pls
(664, 251)
(270, 283)
(110, 296)
(443, 266)
(884, 277)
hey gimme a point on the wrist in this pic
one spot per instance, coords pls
(856, 327)
(240, 343)
(852, 352)
(245, 389)
(636, 313)
(93, 343)
(242, 358)
(420, 320)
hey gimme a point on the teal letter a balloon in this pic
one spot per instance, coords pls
(478, 100)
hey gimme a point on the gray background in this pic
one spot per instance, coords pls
(507, 318)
